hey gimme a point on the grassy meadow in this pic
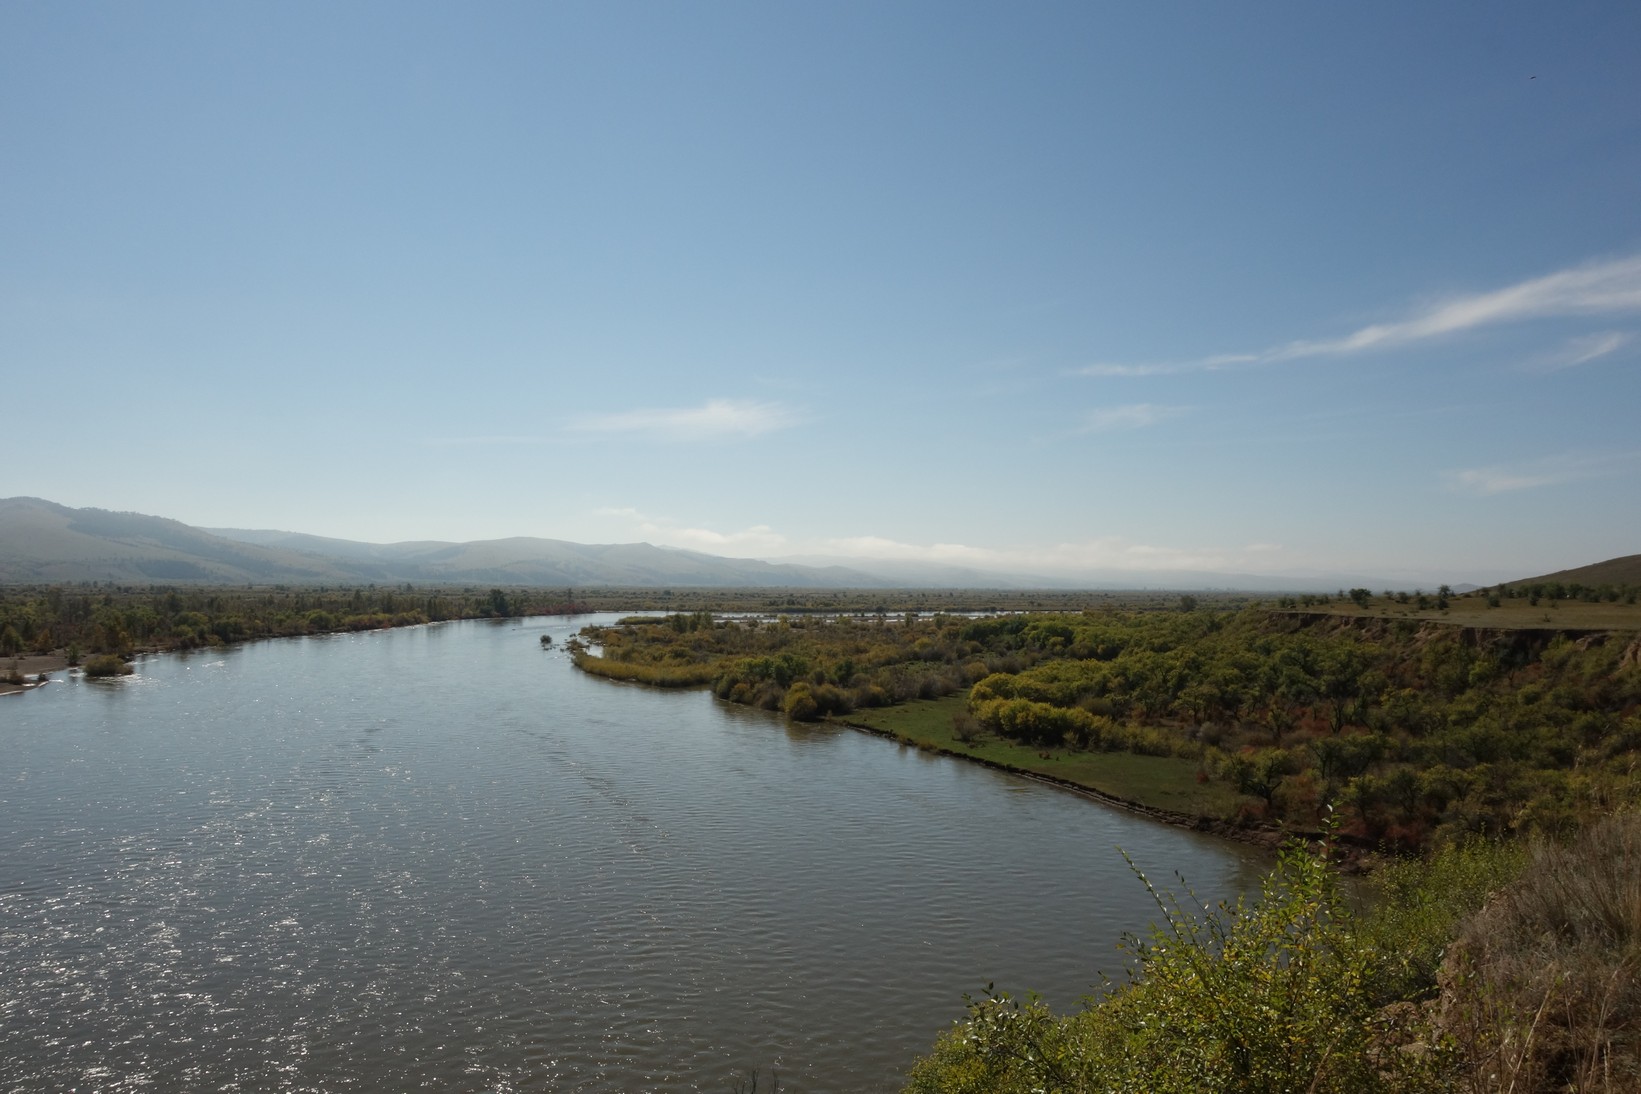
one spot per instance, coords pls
(1166, 783)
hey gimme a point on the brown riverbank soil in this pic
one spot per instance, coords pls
(30, 667)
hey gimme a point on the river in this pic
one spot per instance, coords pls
(441, 858)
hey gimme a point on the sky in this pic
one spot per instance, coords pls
(1070, 288)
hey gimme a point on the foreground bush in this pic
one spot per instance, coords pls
(1265, 997)
(1286, 993)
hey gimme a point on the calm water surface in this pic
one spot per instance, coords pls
(440, 858)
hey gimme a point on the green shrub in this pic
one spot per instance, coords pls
(107, 664)
(1263, 997)
(800, 704)
(1286, 993)
(1419, 906)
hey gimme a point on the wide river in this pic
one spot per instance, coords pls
(440, 858)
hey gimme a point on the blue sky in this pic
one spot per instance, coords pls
(1074, 288)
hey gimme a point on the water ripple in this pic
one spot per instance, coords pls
(434, 858)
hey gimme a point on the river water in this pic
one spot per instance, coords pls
(440, 858)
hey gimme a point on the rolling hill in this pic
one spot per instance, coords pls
(42, 542)
(1625, 570)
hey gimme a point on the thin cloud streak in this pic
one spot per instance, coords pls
(1133, 416)
(1581, 351)
(1549, 471)
(664, 531)
(1103, 555)
(498, 440)
(1599, 288)
(713, 420)
(1065, 559)
(1488, 481)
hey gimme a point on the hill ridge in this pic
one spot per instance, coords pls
(42, 541)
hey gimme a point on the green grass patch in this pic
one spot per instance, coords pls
(1160, 782)
(660, 676)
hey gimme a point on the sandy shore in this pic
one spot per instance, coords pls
(31, 667)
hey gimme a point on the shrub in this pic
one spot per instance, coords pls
(1419, 906)
(800, 704)
(107, 664)
(1261, 997)
(1286, 993)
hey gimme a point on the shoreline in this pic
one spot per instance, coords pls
(40, 666)
(1268, 838)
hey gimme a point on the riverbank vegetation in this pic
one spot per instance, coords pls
(1421, 732)
(121, 621)
(1500, 954)
(1483, 968)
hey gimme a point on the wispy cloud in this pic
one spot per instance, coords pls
(1581, 351)
(501, 440)
(713, 420)
(1133, 416)
(1597, 288)
(754, 541)
(1548, 471)
(1105, 554)
(1487, 481)
(880, 547)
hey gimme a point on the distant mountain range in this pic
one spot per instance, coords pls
(41, 542)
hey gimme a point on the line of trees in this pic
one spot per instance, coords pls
(121, 621)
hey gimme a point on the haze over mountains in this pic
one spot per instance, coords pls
(41, 541)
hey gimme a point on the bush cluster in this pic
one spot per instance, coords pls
(1293, 991)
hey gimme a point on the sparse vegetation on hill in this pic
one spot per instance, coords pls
(1623, 571)
(1540, 604)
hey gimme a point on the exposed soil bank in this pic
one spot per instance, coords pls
(31, 667)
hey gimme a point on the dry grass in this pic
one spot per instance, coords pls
(1542, 993)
